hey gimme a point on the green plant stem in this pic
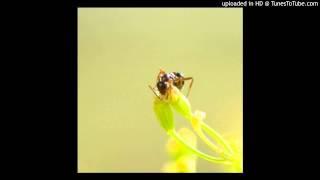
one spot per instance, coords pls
(202, 155)
(216, 136)
(215, 148)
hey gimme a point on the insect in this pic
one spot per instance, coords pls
(165, 81)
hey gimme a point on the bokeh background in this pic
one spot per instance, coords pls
(120, 51)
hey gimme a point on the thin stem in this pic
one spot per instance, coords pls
(202, 155)
(216, 136)
(215, 148)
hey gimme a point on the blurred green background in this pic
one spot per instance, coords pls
(120, 51)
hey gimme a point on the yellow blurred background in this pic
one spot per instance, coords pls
(120, 51)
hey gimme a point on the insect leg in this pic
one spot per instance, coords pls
(190, 85)
(154, 92)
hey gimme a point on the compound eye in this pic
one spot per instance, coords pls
(178, 74)
(162, 85)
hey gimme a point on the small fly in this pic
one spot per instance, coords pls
(165, 81)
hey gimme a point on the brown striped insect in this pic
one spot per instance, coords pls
(166, 80)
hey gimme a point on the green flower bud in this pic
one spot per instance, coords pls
(186, 164)
(176, 149)
(180, 103)
(197, 119)
(182, 165)
(170, 167)
(164, 114)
